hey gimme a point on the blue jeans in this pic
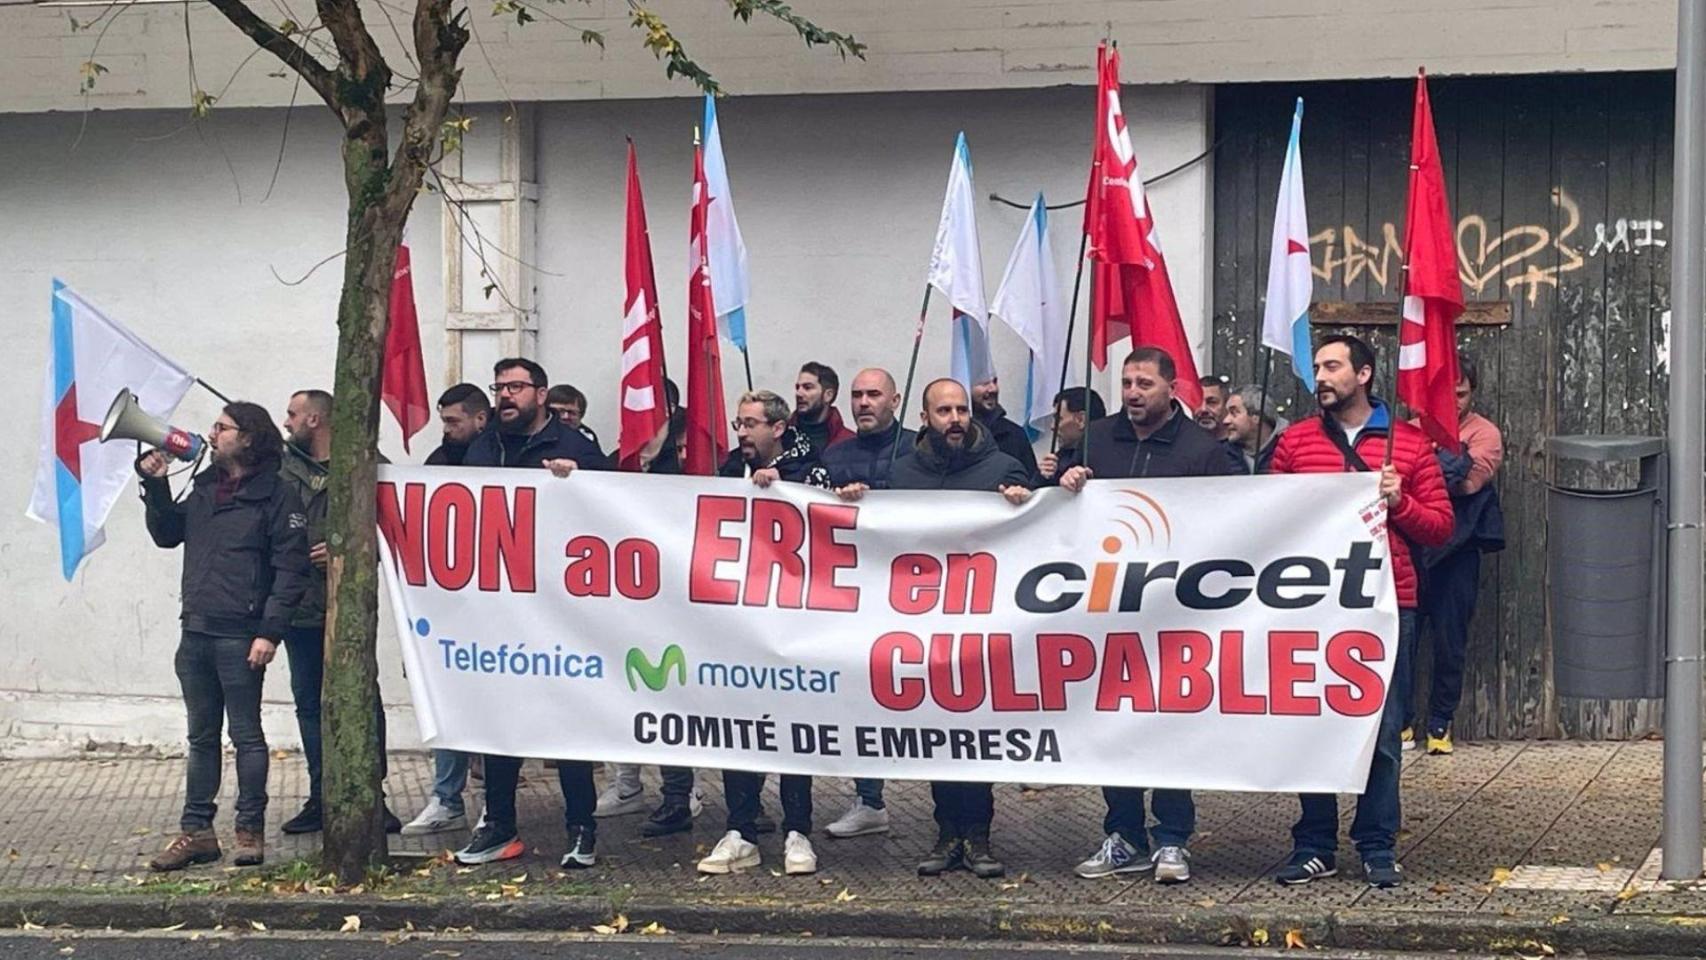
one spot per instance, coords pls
(1375, 829)
(1449, 589)
(744, 791)
(306, 647)
(870, 792)
(450, 778)
(218, 684)
(1175, 816)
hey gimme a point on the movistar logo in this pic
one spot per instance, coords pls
(655, 676)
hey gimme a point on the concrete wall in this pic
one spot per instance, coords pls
(173, 234)
(914, 45)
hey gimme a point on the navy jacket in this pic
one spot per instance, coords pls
(866, 458)
(553, 442)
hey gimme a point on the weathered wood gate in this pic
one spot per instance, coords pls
(1561, 186)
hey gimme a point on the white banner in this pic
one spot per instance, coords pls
(1232, 633)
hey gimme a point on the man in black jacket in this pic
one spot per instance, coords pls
(1151, 437)
(1073, 414)
(527, 435)
(1010, 438)
(955, 452)
(462, 412)
(243, 531)
(769, 449)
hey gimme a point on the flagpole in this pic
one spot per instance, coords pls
(911, 369)
(1262, 408)
(746, 358)
(1089, 371)
(1066, 357)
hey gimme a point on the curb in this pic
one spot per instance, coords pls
(1647, 936)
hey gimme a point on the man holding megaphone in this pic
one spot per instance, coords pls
(244, 534)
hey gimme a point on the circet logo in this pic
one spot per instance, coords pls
(640, 669)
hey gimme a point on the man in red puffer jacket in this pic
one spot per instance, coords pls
(1350, 435)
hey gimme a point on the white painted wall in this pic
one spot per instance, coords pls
(838, 199)
(173, 234)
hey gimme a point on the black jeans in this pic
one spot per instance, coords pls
(677, 784)
(963, 808)
(580, 793)
(1175, 816)
(1449, 589)
(218, 683)
(306, 647)
(743, 790)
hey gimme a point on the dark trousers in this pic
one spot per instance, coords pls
(1175, 816)
(1449, 590)
(580, 793)
(218, 684)
(306, 647)
(677, 784)
(743, 790)
(1375, 829)
(963, 809)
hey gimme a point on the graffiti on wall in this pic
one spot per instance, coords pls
(1527, 257)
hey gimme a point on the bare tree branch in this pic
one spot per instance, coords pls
(292, 54)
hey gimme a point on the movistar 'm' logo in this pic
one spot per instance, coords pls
(640, 668)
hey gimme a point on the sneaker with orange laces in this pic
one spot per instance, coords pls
(189, 847)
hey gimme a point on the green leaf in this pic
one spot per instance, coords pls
(590, 37)
(201, 103)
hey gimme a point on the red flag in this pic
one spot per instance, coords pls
(643, 409)
(1433, 295)
(707, 418)
(403, 380)
(1130, 292)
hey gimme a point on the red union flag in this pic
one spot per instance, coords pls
(1433, 295)
(1130, 292)
(707, 418)
(643, 408)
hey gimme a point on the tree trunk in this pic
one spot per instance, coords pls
(354, 836)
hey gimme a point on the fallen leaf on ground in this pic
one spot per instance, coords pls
(1294, 940)
(1500, 875)
(256, 924)
(1017, 882)
(653, 929)
(31, 926)
(1627, 894)
(1259, 937)
(1440, 888)
(520, 879)
(1206, 902)
(1604, 866)
(603, 929)
(620, 923)
(352, 924)
(1560, 918)
(846, 896)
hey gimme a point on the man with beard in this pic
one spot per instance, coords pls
(527, 435)
(1351, 436)
(1009, 437)
(245, 570)
(307, 463)
(1211, 416)
(1252, 427)
(1155, 438)
(815, 416)
(462, 413)
(956, 452)
(770, 452)
(1071, 419)
(855, 466)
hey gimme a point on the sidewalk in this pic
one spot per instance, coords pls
(1536, 840)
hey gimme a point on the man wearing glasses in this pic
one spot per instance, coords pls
(526, 434)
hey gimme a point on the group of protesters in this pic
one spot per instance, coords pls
(252, 525)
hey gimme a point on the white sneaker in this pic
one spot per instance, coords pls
(797, 855)
(1172, 865)
(858, 821)
(732, 854)
(615, 802)
(695, 803)
(436, 818)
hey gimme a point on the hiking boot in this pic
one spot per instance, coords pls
(307, 821)
(859, 821)
(798, 857)
(583, 849)
(1304, 867)
(251, 848)
(671, 816)
(1117, 856)
(1172, 864)
(948, 853)
(490, 844)
(436, 818)
(199, 846)
(979, 860)
(732, 854)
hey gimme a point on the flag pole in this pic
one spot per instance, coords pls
(1066, 358)
(1089, 371)
(911, 369)
(1262, 408)
(746, 358)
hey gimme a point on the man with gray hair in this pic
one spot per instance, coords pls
(1252, 427)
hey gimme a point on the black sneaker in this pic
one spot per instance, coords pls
(1382, 874)
(392, 824)
(948, 853)
(309, 820)
(1305, 866)
(583, 849)
(980, 860)
(490, 844)
(670, 817)
(763, 825)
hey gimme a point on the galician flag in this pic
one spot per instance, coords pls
(1029, 301)
(1291, 285)
(727, 251)
(956, 271)
(78, 479)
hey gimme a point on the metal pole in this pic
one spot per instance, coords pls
(911, 370)
(1682, 809)
(1262, 410)
(1066, 356)
(746, 358)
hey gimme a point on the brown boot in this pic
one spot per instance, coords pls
(251, 849)
(199, 846)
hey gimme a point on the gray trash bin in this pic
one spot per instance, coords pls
(1605, 563)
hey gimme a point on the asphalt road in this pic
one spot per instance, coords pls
(48, 945)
